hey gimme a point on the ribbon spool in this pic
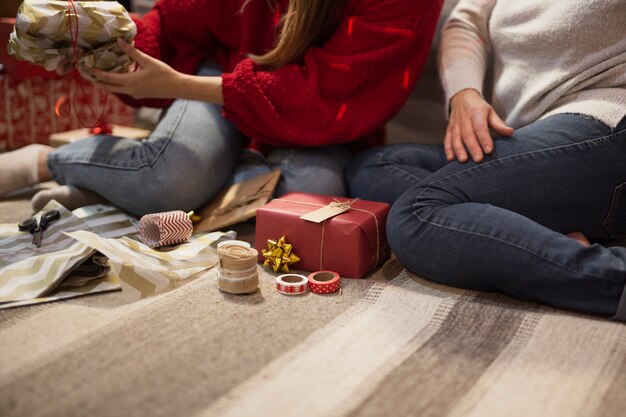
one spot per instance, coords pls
(324, 282)
(234, 242)
(237, 272)
(163, 229)
(292, 284)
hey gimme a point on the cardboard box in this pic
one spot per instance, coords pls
(63, 138)
(351, 243)
(237, 203)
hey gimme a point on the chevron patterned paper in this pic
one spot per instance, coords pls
(30, 275)
(164, 229)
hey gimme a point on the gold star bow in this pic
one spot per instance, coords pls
(279, 255)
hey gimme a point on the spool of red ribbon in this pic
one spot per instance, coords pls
(324, 282)
(292, 284)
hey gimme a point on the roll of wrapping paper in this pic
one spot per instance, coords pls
(324, 282)
(237, 272)
(164, 229)
(292, 284)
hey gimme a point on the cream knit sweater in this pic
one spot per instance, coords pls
(548, 56)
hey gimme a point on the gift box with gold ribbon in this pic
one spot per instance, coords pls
(326, 233)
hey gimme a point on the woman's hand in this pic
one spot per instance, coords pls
(468, 127)
(153, 79)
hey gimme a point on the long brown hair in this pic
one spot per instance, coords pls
(306, 23)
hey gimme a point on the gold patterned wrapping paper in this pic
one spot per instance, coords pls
(42, 34)
(144, 271)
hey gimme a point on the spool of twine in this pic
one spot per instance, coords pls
(238, 269)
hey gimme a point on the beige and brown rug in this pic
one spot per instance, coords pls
(390, 345)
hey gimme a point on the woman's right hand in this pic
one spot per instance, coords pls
(468, 127)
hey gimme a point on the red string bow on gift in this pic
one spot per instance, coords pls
(99, 126)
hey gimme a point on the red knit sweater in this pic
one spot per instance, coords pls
(342, 91)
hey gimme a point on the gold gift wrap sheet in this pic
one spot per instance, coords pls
(44, 30)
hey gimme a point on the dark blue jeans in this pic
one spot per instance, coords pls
(499, 225)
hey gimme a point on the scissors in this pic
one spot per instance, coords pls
(37, 228)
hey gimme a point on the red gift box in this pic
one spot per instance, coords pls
(351, 243)
(27, 112)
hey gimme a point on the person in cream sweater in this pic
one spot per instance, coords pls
(528, 190)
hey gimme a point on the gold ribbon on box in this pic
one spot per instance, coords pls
(327, 211)
(279, 255)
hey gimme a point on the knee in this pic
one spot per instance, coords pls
(154, 194)
(411, 237)
(317, 171)
(366, 175)
(402, 228)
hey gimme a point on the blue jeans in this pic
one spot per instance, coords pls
(499, 225)
(192, 153)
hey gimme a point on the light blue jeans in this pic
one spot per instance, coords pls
(192, 153)
(500, 225)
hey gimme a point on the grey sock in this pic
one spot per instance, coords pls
(69, 196)
(19, 168)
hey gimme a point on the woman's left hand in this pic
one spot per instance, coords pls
(153, 78)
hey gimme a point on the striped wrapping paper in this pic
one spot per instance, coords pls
(30, 275)
(144, 271)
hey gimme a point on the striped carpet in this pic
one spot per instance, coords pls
(389, 345)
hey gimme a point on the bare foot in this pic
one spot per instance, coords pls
(579, 237)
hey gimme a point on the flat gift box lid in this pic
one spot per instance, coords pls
(63, 138)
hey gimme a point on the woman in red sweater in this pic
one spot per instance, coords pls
(294, 84)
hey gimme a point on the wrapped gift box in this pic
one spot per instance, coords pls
(351, 243)
(13, 67)
(28, 94)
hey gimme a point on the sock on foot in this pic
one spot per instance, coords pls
(19, 168)
(69, 196)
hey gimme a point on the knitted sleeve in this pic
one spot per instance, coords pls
(342, 90)
(465, 45)
(177, 32)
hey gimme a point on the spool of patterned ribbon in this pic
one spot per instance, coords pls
(292, 284)
(163, 229)
(237, 272)
(324, 282)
